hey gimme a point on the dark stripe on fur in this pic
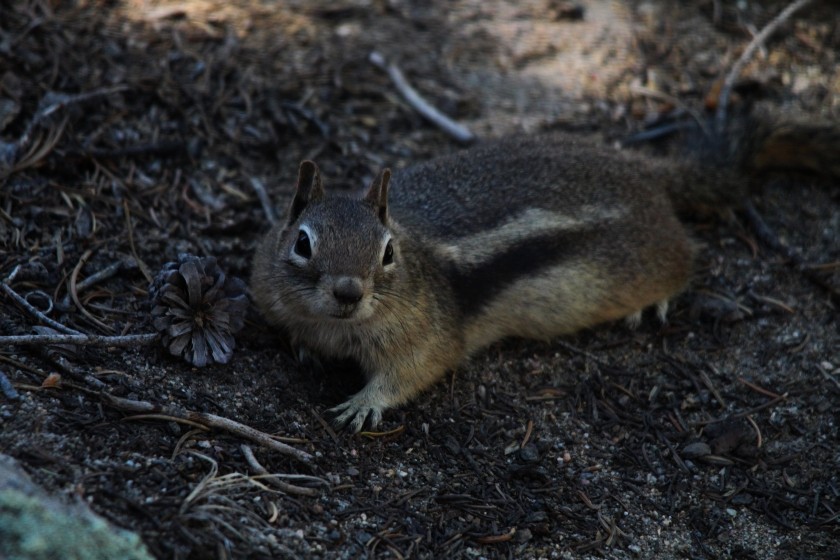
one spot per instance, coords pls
(477, 286)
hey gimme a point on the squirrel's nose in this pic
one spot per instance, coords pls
(348, 291)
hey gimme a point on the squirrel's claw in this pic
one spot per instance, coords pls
(357, 412)
(662, 311)
(634, 320)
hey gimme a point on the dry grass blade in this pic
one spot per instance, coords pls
(396, 431)
(492, 539)
(130, 229)
(50, 104)
(223, 505)
(71, 288)
(39, 150)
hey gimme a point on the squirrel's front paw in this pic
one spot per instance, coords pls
(362, 406)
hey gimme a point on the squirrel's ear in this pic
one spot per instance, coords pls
(309, 188)
(377, 194)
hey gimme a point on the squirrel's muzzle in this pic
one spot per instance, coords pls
(348, 291)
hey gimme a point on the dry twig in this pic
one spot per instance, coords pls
(273, 478)
(207, 419)
(457, 131)
(81, 339)
(738, 67)
(34, 312)
(262, 195)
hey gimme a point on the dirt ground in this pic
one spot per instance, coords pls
(716, 435)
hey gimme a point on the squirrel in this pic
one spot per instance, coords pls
(529, 236)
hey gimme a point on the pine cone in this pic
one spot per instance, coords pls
(197, 309)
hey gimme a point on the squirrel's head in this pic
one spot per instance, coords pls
(335, 255)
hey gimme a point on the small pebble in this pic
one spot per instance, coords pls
(529, 454)
(523, 535)
(696, 449)
(742, 499)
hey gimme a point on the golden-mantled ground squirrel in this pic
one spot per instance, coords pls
(529, 237)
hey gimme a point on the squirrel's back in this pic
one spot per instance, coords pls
(544, 235)
(478, 189)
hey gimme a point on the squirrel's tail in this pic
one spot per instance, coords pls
(795, 147)
(719, 171)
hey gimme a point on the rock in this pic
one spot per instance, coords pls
(35, 526)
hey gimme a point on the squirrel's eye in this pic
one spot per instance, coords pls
(388, 257)
(302, 246)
